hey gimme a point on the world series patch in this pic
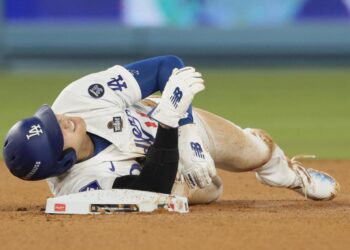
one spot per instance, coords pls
(116, 124)
(96, 90)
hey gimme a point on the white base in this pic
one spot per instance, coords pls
(115, 200)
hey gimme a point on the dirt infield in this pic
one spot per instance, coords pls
(249, 216)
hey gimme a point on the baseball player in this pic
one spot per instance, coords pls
(106, 131)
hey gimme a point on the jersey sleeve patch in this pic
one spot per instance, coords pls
(94, 185)
(96, 90)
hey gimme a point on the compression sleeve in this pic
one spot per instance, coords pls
(152, 75)
(160, 168)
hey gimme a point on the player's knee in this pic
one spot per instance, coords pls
(208, 194)
(265, 137)
(259, 150)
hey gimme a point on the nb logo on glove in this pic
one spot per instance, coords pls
(197, 149)
(176, 97)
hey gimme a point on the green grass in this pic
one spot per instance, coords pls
(306, 111)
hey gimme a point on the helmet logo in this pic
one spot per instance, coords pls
(35, 130)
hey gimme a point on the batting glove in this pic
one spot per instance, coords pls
(177, 96)
(198, 166)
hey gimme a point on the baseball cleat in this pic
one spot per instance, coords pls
(314, 184)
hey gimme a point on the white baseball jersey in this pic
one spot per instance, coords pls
(110, 103)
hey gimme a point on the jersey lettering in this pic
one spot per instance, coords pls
(151, 124)
(143, 139)
(35, 130)
(117, 84)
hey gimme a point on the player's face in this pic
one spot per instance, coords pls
(73, 130)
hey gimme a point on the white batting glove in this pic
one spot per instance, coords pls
(177, 96)
(198, 167)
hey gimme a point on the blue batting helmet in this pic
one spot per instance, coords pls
(33, 148)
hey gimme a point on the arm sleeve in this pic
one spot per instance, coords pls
(160, 168)
(119, 86)
(152, 75)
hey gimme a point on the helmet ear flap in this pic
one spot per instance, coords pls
(67, 160)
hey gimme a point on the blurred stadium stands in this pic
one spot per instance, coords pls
(59, 34)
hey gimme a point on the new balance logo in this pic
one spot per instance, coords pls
(176, 97)
(197, 149)
(117, 84)
(35, 130)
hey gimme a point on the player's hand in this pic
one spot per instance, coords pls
(177, 96)
(197, 165)
(198, 176)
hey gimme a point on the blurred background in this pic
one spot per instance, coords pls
(279, 65)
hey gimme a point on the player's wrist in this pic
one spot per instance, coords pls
(166, 116)
(166, 138)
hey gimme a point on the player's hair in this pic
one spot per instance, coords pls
(33, 148)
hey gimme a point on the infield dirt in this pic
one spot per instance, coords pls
(248, 216)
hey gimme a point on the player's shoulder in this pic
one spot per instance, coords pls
(88, 92)
(99, 77)
(115, 85)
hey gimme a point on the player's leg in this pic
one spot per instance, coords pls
(233, 153)
(236, 149)
(233, 148)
